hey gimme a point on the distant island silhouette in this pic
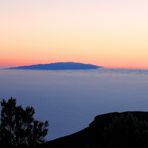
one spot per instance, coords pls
(58, 66)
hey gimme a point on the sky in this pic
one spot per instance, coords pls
(110, 33)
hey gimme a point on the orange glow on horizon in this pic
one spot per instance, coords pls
(108, 33)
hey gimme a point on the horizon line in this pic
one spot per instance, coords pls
(101, 65)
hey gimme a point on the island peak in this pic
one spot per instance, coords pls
(58, 66)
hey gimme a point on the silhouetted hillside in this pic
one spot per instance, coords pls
(58, 66)
(113, 130)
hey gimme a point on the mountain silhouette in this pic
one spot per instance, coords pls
(112, 130)
(58, 66)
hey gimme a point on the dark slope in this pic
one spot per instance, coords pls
(92, 135)
(58, 66)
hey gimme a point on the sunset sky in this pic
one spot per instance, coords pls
(110, 33)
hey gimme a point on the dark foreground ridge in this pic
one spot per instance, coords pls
(58, 66)
(113, 130)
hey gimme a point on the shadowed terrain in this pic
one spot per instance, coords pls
(113, 130)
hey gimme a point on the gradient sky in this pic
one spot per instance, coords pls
(111, 33)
